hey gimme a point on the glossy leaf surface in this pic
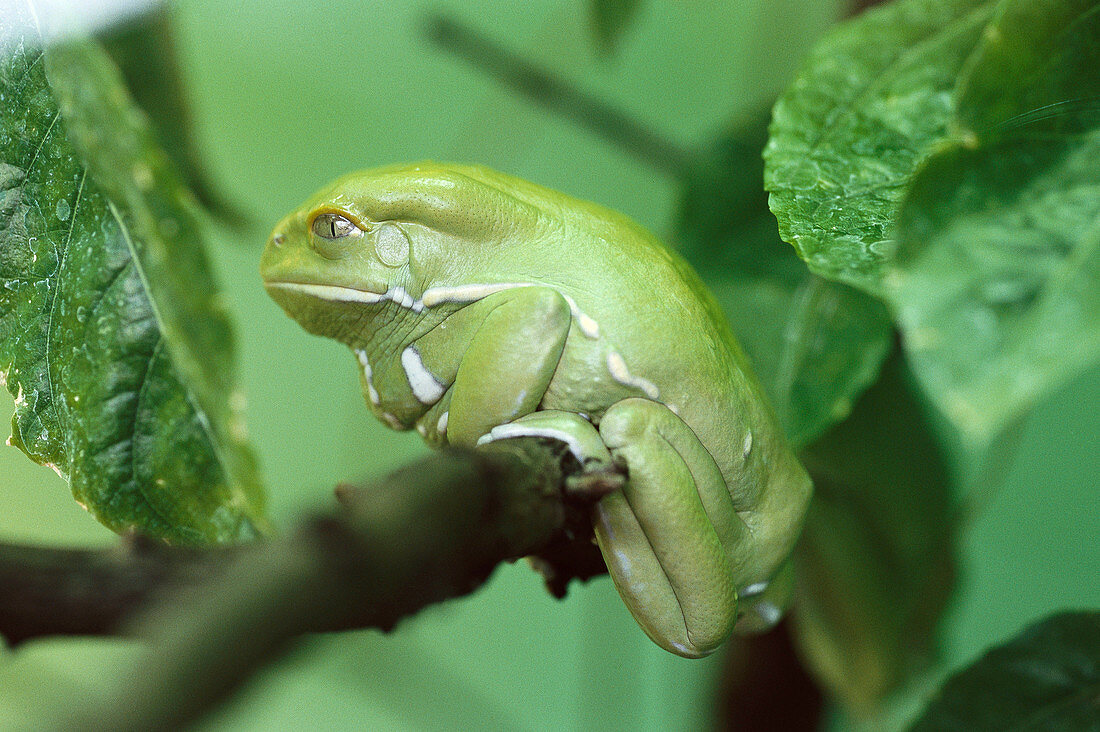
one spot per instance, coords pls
(874, 98)
(1047, 678)
(111, 337)
(876, 563)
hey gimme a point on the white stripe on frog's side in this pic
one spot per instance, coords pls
(433, 296)
(619, 372)
(367, 374)
(588, 326)
(768, 612)
(425, 387)
(465, 293)
(753, 589)
(401, 296)
(441, 425)
(469, 293)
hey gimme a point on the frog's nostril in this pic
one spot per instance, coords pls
(278, 239)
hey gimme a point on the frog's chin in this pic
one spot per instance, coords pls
(326, 310)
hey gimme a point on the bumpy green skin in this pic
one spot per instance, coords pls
(481, 307)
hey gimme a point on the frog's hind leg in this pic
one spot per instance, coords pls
(669, 536)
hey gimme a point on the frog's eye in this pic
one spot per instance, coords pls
(334, 226)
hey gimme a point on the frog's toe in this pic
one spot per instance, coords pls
(762, 604)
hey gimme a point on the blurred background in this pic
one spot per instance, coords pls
(288, 95)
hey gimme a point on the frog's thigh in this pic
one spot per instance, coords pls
(578, 434)
(665, 537)
(510, 360)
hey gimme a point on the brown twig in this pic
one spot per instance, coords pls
(49, 591)
(858, 6)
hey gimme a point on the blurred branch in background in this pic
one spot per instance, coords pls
(145, 50)
(608, 20)
(50, 591)
(723, 183)
(559, 96)
(858, 6)
(765, 687)
(433, 530)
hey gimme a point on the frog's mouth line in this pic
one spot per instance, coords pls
(334, 293)
(340, 293)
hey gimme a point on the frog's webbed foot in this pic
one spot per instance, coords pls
(669, 537)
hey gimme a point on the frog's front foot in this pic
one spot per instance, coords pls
(578, 434)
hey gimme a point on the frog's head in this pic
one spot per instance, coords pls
(386, 235)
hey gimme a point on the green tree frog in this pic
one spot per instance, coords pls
(483, 307)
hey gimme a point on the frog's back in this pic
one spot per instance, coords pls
(646, 325)
(652, 328)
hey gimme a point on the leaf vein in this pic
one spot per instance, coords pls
(56, 289)
(204, 422)
(38, 150)
(140, 395)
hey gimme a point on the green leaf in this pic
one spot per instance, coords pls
(815, 345)
(111, 336)
(609, 19)
(974, 213)
(144, 48)
(1034, 72)
(876, 564)
(997, 284)
(1047, 678)
(997, 278)
(871, 102)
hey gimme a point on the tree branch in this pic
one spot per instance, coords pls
(432, 530)
(48, 591)
(560, 96)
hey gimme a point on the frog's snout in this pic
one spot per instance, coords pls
(274, 253)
